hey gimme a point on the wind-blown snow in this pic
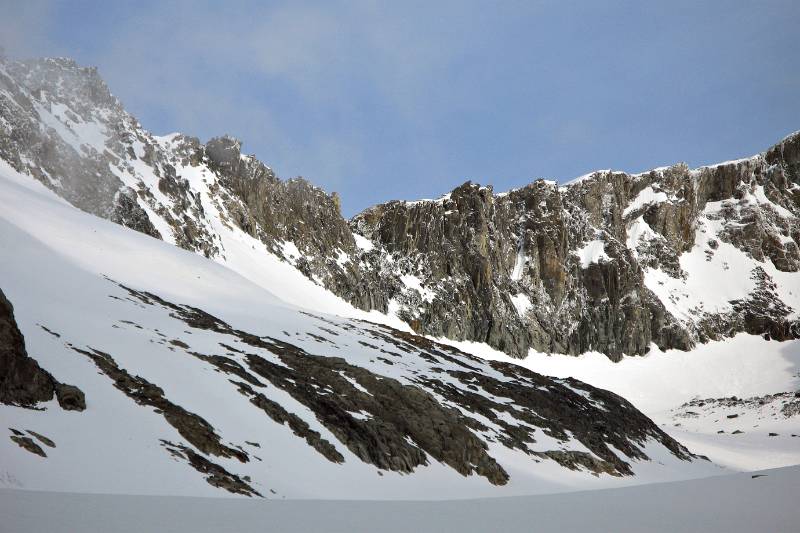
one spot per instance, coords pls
(731, 162)
(584, 177)
(519, 263)
(76, 133)
(414, 283)
(759, 197)
(638, 231)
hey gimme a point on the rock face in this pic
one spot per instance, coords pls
(22, 381)
(565, 268)
(612, 262)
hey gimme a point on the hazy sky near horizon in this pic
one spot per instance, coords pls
(405, 100)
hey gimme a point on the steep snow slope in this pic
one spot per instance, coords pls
(198, 380)
(744, 503)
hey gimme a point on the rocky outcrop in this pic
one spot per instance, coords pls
(70, 397)
(26, 443)
(22, 381)
(55, 156)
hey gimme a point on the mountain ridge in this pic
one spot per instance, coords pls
(612, 262)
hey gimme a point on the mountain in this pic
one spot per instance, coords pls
(611, 262)
(132, 366)
(269, 347)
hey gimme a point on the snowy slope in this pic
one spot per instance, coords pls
(292, 404)
(692, 394)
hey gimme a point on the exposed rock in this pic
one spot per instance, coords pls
(41, 438)
(216, 475)
(472, 250)
(22, 381)
(300, 428)
(27, 443)
(70, 397)
(784, 402)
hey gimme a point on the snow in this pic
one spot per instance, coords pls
(519, 263)
(342, 258)
(521, 303)
(442, 199)
(585, 177)
(75, 133)
(412, 282)
(363, 243)
(740, 503)
(593, 251)
(709, 284)
(731, 162)
(657, 170)
(251, 258)
(639, 231)
(761, 198)
(645, 197)
(55, 276)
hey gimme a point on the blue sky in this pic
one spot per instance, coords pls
(405, 100)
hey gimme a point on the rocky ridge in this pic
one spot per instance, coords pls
(610, 262)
